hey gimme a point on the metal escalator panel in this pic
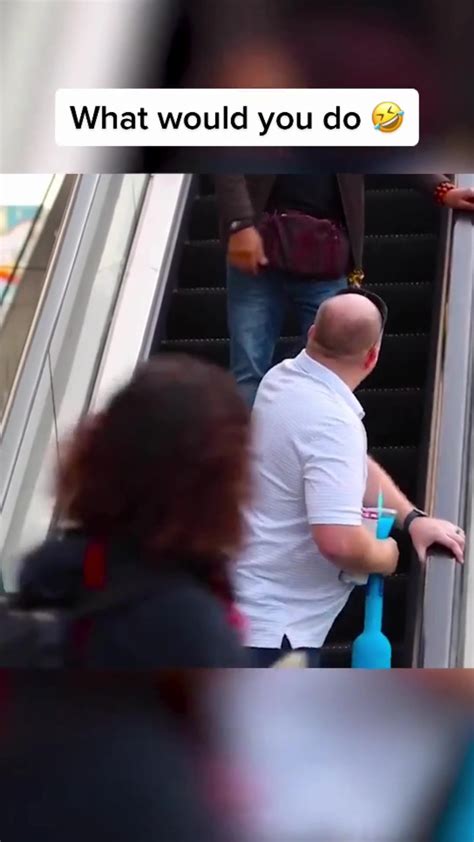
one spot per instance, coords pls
(401, 258)
(66, 345)
(32, 211)
(443, 633)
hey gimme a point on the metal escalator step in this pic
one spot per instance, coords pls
(402, 464)
(378, 181)
(217, 350)
(405, 211)
(203, 312)
(387, 181)
(203, 224)
(373, 181)
(339, 656)
(392, 416)
(409, 305)
(205, 184)
(389, 259)
(402, 363)
(396, 258)
(202, 264)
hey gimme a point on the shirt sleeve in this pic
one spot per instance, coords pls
(335, 474)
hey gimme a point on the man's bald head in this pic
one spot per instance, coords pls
(346, 326)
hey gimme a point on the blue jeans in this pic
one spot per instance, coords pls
(256, 306)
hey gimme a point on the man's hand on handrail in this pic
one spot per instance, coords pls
(426, 531)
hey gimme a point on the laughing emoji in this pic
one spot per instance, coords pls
(387, 117)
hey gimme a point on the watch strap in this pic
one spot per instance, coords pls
(240, 224)
(411, 516)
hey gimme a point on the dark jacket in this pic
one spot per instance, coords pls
(173, 622)
(88, 756)
(245, 196)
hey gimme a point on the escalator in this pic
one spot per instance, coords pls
(29, 243)
(402, 252)
(62, 293)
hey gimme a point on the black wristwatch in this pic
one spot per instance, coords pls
(411, 516)
(240, 225)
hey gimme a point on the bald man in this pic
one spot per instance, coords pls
(312, 478)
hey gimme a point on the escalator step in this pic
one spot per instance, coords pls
(393, 416)
(339, 656)
(217, 350)
(205, 184)
(389, 259)
(402, 363)
(389, 181)
(203, 312)
(403, 210)
(373, 181)
(401, 463)
(393, 259)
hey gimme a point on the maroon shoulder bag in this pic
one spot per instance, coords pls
(316, 249)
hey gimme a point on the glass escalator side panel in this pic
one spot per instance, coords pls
(32, 208)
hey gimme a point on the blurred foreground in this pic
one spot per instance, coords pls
(251, 756)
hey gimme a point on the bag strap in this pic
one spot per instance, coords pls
(99, 594)
(282, 238)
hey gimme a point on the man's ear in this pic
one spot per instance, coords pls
(311, 332)
(371, 357)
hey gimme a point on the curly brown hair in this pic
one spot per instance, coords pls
(165, 464)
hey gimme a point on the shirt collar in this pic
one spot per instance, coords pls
(320, 372)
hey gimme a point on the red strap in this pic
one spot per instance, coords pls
(94, 566)
(94, 579)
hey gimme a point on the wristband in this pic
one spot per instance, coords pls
(441, 191)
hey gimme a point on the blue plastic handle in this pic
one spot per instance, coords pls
(372, 648)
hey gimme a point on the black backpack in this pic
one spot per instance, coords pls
(41, 638)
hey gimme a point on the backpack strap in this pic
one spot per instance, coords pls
(101, 591)
(94, 569)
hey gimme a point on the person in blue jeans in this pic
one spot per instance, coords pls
(257, 305)
(258, 293)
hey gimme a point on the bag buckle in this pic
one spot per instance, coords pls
(356, 277)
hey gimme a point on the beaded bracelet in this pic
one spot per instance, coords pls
(441, 191)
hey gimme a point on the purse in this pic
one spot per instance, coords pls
(316, 249)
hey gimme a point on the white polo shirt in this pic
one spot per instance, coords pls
(310, 467)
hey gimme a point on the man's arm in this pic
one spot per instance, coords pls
(378, 480)
(424, 531)
(233, 200)
(334, 483)
(244, 244)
